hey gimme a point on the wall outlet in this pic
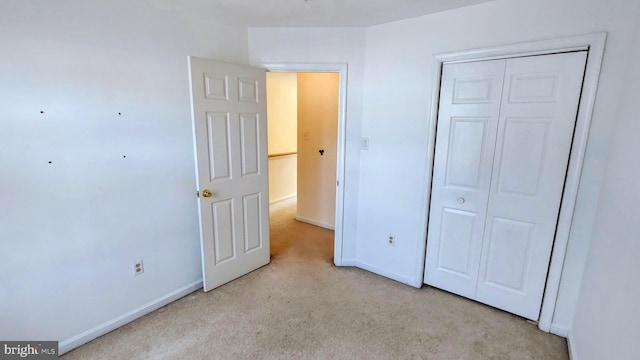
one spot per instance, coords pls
(138, 268)
(391, 240)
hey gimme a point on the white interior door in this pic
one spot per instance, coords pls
(537, 119)
(496, 240)
(470, 97)
(230, 132)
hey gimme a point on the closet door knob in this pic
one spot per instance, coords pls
(461, 200)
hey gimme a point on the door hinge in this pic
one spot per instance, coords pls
(198, 193)
(338, 183)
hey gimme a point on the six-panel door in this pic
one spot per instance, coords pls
(229, 120)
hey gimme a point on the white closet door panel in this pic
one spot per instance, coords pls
(467, 126)
(539, 108)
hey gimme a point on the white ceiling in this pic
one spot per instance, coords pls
(322, 13)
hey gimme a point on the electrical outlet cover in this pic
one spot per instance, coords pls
(138, 268)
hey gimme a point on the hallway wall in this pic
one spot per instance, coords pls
(317, 129)
(282, 123)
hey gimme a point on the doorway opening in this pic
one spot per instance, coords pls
(229, 113)
(303, 116)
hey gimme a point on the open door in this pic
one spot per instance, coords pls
(230, 136)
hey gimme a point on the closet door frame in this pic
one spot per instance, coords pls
(594, 44)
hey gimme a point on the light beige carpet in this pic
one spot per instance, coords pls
(302, 307)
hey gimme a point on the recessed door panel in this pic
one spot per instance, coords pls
(248, 90)
(455, 253)
(473, 90)
(252, 222)
(524, 151)
(250, 146)
(218, 131)
(216, 86)
(534, 88)
(465, 153)
(509, 253)
(223, 232)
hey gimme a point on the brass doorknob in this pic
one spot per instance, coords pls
(206, 193)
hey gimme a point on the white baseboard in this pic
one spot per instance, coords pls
(275, 201)
(385, 273)
(348, 262)
(559, 330)
(85, 337)
(417, 283)
(573, 354)
(316, 223)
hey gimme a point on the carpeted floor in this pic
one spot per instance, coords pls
(302, 307)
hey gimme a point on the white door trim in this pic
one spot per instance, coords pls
(594, 43)
(342, 126)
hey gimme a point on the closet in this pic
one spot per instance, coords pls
(504, 135)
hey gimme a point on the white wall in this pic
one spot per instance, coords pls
(282, 112)
(282, 122)
(283, 178)
(397, 92)
(71, 229)
(325, 45)
(607, 316)
(318, 95)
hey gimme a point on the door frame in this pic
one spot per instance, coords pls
(594, 44)
(341, 140)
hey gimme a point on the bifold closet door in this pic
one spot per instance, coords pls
(470, 98)
(537, 119)
(526, 170)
